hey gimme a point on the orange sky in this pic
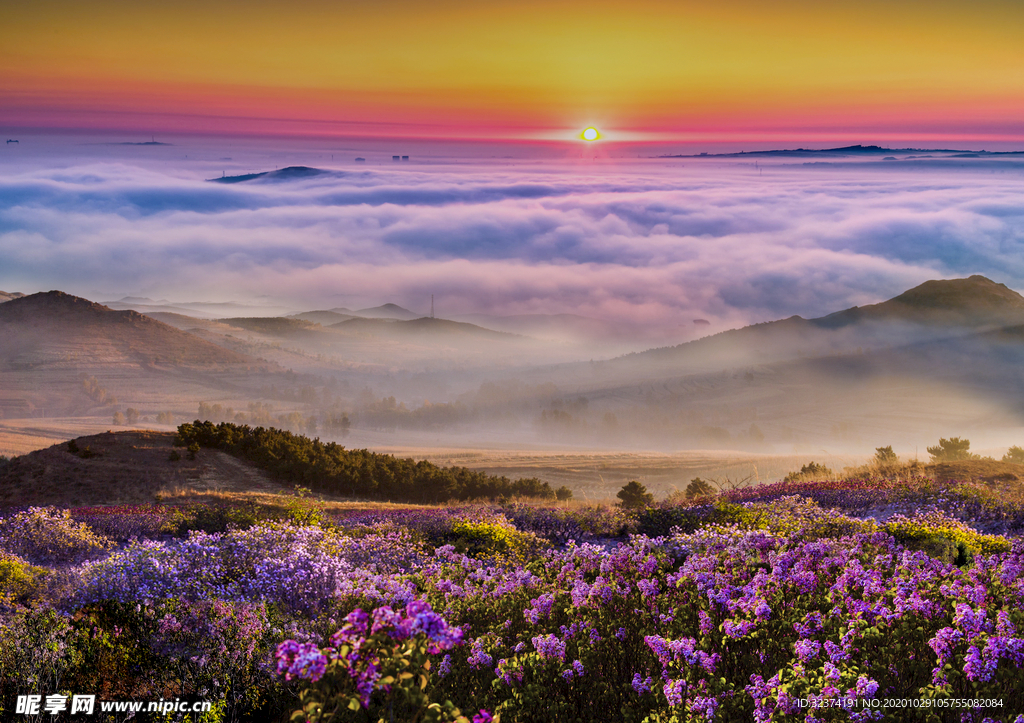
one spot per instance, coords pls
(518, 69)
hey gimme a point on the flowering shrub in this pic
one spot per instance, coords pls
(944, 536)
(48, 534)
(493, 538)
(124, 522)
(561, 525)
(220, 649)
(800, 518)
(35, 652)
(17, 578)
(302, 568)
(381, 659)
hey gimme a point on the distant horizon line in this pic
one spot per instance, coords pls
(744, 142)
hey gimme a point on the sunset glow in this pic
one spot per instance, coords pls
(513, 68)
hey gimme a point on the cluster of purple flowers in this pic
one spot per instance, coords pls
(306, 569)
(49, 535)
(352, 650)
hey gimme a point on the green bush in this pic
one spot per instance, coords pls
(945, 537)
(810, 471)
(659, 520)
(699, 488)
(1015, 455)
(885, 456)
(493, 539)
(801, 518)
(18, 579)
(951, 450)
(634, 495)
(212, 518)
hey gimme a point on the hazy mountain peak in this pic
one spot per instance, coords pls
(40, 328)
(52, 302)
(388, 311)
(971, 301)
(975, 293)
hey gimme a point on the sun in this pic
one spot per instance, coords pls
(590, 134)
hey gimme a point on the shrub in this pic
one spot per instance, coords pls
(801, 518)
(18, 579)
(810, 471)
(661, 520)
(885, 456)
(124, 523)
(563, 493)
(699, 488)
(212, 518)
(943, 536)
(951, 450)
(219, 646)
(1015, 455)
(384, 667)
(634, 495)
(493, 539)
(561, 524)
(49, 535)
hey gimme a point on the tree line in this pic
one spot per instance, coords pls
(330, 468)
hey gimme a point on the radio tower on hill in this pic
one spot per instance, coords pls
(431, 306)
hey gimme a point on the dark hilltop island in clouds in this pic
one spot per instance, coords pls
(291, 173)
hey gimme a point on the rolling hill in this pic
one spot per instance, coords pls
(423, 327)
(133, 467)
(387, 311)
(54, 328)
(942, 309)
(64, 356)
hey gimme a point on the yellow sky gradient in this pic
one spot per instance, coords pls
(638, 65)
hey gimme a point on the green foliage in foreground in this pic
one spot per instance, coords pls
(332, 469)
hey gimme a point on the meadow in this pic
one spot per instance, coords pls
(885, 597)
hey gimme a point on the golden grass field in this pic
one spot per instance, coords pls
(597, 476)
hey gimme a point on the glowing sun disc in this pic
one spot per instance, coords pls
(590, 134)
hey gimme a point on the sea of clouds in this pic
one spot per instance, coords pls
(652, 243)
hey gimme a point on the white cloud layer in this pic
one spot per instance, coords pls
(651, 244)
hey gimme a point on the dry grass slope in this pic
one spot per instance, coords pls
(124, 468)
(56, 328)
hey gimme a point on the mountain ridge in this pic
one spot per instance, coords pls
(39, 326)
